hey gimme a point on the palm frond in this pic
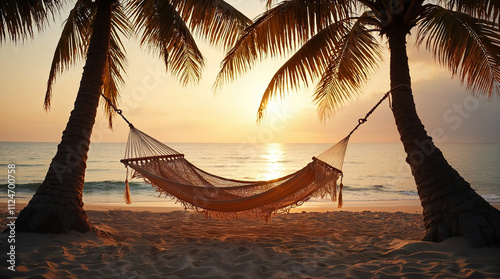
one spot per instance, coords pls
(116, 63)
(306, 65)
(214, 20)
(164, 32)
(353, 63)
(279, 31)
(72, 44)
(19, 19)
(466, 45)
(488, 10)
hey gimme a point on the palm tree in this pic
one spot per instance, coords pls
(93, 31)
(335, 43)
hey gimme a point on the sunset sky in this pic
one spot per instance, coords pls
(159, 106)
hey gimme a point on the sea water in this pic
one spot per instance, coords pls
(372, 172)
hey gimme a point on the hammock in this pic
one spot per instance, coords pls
(171, 174)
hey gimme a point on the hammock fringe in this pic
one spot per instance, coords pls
(256, 214)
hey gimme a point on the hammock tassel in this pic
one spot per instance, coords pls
(126, 194)
(340, 202)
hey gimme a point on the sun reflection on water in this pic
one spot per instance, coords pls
(274, 155)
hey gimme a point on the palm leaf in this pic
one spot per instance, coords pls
(72, 44)
(164, 32)
(214, 20)
(116, 62)
(307, 64)
(279, 31)
(19, 18)
(353, 63)
(488, 10)
(468, 46)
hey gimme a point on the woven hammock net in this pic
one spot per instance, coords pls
(171, 174)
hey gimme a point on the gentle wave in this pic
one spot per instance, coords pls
(25, 165)
(100, 190)
(88, 186)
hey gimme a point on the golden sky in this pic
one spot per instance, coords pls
(159, 106)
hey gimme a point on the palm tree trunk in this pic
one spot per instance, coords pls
(450, 206)
(57, 205)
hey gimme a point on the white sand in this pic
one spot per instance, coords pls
(183, 244)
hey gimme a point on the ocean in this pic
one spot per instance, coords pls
(372, 172)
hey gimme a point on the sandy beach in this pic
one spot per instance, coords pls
(359, 241)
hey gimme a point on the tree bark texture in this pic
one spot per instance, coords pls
(450, 206)
(57, 205)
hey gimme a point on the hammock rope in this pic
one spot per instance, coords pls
(217, 197)
(117, 110)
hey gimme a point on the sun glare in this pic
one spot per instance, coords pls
(273, 155)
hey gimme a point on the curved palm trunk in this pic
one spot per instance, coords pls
(450, 206)
(57, 205)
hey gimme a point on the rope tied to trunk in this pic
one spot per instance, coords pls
(117, 110)
(386, 95)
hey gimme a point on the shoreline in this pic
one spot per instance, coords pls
(410, 206)
(407, 206)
